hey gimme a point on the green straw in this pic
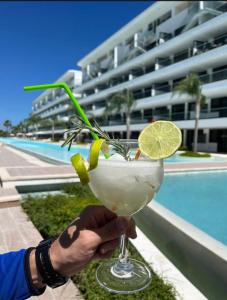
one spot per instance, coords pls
(71, 96)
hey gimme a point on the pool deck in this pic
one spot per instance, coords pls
(16, 231)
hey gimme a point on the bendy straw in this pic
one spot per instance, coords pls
(71, 96)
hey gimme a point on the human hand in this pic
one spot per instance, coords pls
(93, 235)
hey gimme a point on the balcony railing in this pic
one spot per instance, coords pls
(161, 89)
(175, 116)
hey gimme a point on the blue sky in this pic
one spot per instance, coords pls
(40, 41)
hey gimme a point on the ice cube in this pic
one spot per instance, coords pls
(116, 156)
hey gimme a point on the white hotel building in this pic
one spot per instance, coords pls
(149, 56)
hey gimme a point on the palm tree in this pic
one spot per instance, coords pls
(34, 120)
(55, 121)
(191, 85)
(8, 125)
(121, 102)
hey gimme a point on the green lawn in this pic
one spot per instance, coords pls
(195, 154)
(52, 213)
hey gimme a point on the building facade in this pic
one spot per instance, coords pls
(149, 56)
(54, 107)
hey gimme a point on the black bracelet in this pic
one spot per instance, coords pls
(44, 265)
(33, 289)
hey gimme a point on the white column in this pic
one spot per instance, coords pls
(142, 114)
(206, 132)
(65, 135)
(185, 138)
(156, 66)
(116, 56)
(210, 72)
(130, 77)
(153, 91)
(201, 5)
(208, 100)
(170, 111)
(88, 68)
(186, 110)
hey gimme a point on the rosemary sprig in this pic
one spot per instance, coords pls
(79, 125)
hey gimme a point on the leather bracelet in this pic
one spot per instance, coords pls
(50, 277)
(33, 289)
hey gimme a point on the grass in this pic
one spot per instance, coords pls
(52, 213)
(195, 154)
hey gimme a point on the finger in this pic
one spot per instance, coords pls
(109, 246)
(96, 216)
(131, 230)
(112, 230)
(102, 215)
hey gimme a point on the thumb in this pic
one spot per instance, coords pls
(112, 230)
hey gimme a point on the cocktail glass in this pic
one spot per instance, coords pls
(125, 187)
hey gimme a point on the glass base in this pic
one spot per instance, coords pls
(123, 277)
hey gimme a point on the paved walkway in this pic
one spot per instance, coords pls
(19, 168)
(17, 165)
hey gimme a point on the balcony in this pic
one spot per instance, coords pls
(163, 62)
(177, 116)
(55, 101)
(194, 64)
(178, 43)
(161, 89)
(55, 111)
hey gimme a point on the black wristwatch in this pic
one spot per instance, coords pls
(50, 277)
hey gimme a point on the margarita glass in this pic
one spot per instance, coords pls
(125, 187)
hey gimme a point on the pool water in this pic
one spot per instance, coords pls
(200, 198)
(56, 152)
(53, 151)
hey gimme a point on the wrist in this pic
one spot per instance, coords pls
(55, 258)
(48, 272)
(36, 278)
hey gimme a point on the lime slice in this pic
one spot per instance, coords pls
(96, 147)
(160, 139)
(81, 167)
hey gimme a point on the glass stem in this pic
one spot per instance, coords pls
(123, 266)
(123, 257)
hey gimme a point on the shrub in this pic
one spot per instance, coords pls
(52, 213)
(183, 148)
(195, 154)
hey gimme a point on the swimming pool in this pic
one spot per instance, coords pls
(56, 152)
(199, 198)
(49, 150)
